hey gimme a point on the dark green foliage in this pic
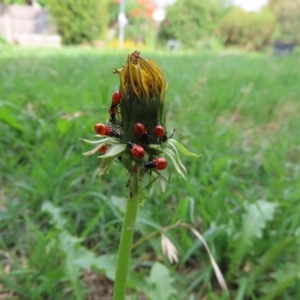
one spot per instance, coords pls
(23, 2)
(189, 21)
(8, 2)
(140, 30)
(250, 30)
(288, 19)
(79, 21)
(113, 11)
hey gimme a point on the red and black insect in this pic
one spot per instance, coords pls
(102, 129)
(136, 150)
(116, 98)
(161, 133)
(159, 163)
(112, 115)
(103, 149)
(141, 131)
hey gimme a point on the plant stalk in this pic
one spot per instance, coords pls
(133, 200)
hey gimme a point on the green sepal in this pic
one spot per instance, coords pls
(103, 142)
(178, 157)
(114, 151)
(176, 164)
(156, 147)
(182, 148)
(108, 140)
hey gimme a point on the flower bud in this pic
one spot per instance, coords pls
(143, 86)
(136, 135)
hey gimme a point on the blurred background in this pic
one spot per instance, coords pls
(187, 24)
(233, 72)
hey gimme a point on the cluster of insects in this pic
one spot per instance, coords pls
(137, 150)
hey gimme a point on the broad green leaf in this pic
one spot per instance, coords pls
(256, 217)
(87, 259)
(183, 149)
(55, 214)
(84, 258)
(69, 243)
(162, 283)
(107, 263)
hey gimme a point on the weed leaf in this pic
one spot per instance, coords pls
(56, 219)
(284, 278)
(254, 221)
(162, 282)
(256, 217)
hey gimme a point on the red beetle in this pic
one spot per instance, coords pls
(103, 149)
(159, 163)
(102, 129)
(116, 98)
(139, 129)
(136, 150)
(161, 133)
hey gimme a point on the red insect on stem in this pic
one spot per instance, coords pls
(103, 149)
(116, 98)
(102, 129)
(136, 150)
(159, 163)
(161, 133)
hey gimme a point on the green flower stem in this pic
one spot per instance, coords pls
(133, 200)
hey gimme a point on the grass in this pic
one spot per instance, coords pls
(60, 224)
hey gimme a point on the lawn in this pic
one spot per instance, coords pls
(60, 223)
